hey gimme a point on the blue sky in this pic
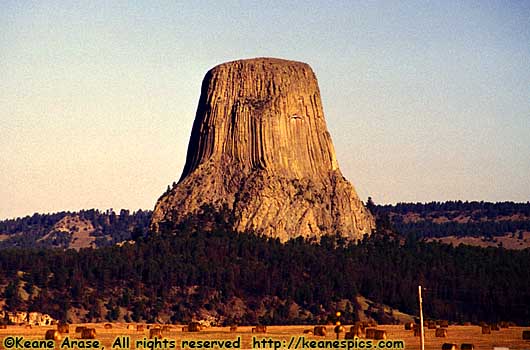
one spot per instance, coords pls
(424, 100)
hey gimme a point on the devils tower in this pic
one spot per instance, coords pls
(260, 151)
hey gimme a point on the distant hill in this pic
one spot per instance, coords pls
(484, 224)
(505, 224)
(83, 229)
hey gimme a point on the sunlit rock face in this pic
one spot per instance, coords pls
(260, 151)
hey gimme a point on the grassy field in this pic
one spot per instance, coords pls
(510, 337)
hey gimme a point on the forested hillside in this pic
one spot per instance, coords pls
(488, 221)
(492, 222)
(244, 278)
(61, 230)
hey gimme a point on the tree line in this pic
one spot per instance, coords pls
(187, 268)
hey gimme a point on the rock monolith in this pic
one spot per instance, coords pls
(260, 152)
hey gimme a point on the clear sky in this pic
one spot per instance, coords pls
(424, 100)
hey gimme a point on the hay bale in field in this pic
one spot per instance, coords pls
(380, 334)
(444, 324)
(131, 327)
(233, 328)
(449, 346)
(320, 331)
(467, 346)
(308, 331)
(357, 331)
(194, 327)
(79, 329)
(486, 330)
(467, 324)
(52, 334)
(494, 327)
(417, 330)
(370, 333)
(185, 328)
(526, 335)
(140, 328)
(155, 332)
(259, 329)
(431, 325)
(88, 333)
(409, 326)
(63, 328)
(107, 326)
(441, 332)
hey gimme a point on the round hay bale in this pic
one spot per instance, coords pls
(357, 331)
(467, 346)
(486, 330)
(63, 328)
(380, 334)
(370, 333)
(409, 326)
(88, 333)
(107, 326)
(233, 328)
(131, 327)
(441, 332)
(140, 328)
(321, 331)
(194, 327)
(259, 329)
(52, 334)
(449, 346)
(155, 332)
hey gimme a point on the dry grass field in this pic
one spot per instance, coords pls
(506, 337)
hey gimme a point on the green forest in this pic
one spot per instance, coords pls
(186, 268)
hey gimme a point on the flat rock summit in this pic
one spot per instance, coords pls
(261, 153)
